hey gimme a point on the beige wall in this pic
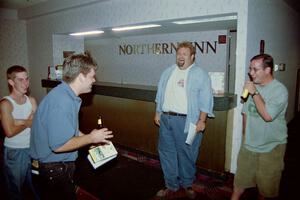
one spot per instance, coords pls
(13, 48)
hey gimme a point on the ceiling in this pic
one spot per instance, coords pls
(17, 4)
(167, 26)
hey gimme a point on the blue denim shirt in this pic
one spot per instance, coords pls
(199, 93)
(55, 122)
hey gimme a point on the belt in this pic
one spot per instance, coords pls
(36, 165)
(174, 114)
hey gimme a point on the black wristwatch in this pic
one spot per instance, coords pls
(255, 93)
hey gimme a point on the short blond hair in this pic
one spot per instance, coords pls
(76, 64)
(187, 44)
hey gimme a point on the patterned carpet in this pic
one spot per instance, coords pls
(209, 185)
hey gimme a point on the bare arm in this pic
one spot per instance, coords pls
(33, 103)
(28, 122)
(259, 102)
(10, 126)
(95, 136)
(261, 107)
(244, 123)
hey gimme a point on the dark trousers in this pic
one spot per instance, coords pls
(55, 180)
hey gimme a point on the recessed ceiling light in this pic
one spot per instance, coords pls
(212, 19)
(86, 33)
(126, 28)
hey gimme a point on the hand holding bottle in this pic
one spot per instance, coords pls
(100, 136)
(249, 88)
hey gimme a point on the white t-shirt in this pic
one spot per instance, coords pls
(175, 95)
(22, 139)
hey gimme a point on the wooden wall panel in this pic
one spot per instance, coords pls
(133, 126)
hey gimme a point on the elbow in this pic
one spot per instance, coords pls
(58, 150)
(9, 134)
(268, 119)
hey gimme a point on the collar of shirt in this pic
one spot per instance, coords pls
(68, 89)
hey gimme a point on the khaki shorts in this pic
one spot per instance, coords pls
(260, 169)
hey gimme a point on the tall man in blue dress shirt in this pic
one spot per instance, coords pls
(184, 96)
(55, 130)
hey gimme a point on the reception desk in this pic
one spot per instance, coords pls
(128, 110)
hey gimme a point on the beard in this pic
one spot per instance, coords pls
(256, 81)
(180, 63)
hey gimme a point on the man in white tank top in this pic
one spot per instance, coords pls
(16, 112)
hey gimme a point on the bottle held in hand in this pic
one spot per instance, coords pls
(99, 123)
(245, 95)
(99, 126)
(101, 153)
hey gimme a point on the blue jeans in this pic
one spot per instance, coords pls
(17, 165)
(178, 160)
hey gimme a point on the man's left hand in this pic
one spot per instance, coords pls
(200, 127)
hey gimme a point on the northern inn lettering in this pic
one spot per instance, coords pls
(203, 47)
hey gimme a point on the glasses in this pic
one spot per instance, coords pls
(254, 69)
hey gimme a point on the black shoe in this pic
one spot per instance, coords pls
(190, 193)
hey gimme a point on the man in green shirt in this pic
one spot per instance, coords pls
(261, 157)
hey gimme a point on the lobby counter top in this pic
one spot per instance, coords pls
(222, 102)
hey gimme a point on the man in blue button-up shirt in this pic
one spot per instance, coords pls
(55, 130)
(184, 97)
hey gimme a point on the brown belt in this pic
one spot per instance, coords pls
(174, 114)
